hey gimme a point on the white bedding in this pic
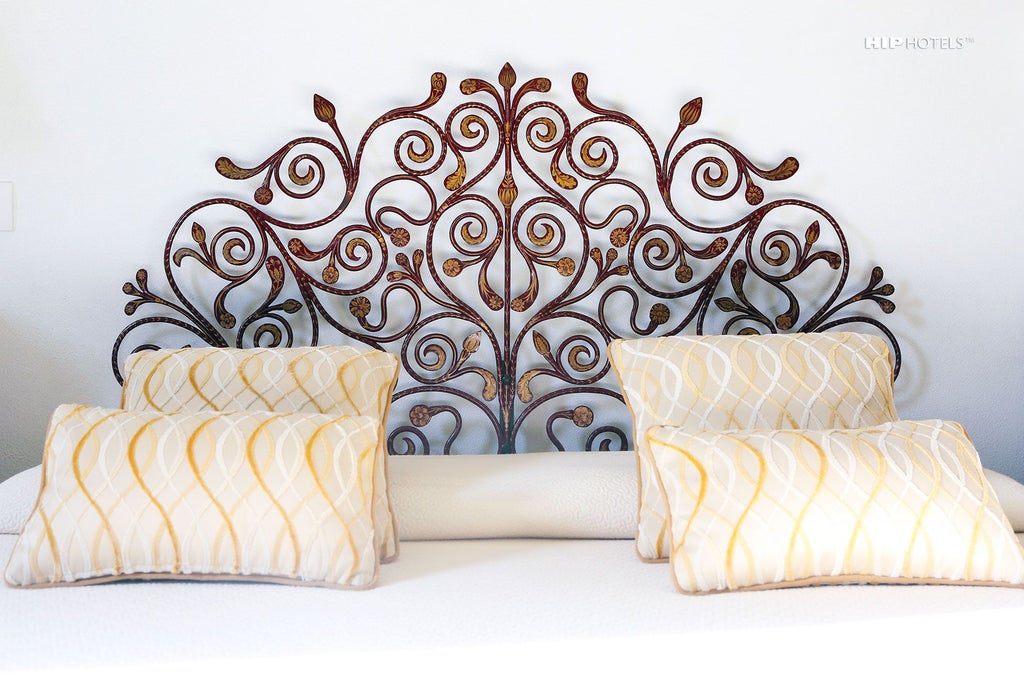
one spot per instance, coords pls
(503, 609)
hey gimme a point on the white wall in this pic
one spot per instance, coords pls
(111, 114)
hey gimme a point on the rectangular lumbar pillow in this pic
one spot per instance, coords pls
(530, 495)
(801, 381)
(278, 497)
(905, 502)
(323, 379)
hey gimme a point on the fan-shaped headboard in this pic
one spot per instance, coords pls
(497, 240)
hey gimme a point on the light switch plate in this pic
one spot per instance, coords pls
(6, 206)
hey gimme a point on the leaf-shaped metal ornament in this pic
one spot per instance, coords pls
(323, 109)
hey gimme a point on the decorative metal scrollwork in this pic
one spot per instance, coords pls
(499, 249)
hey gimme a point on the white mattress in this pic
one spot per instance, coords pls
(504, 609)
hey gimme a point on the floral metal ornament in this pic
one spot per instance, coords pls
(497, 241)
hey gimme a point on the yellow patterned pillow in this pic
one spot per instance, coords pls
(801, 381)
(279, 497)
(325, 379)
(904, 502)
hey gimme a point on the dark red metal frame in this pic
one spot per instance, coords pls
(529, 245)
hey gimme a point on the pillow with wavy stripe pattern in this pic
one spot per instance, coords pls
(278, 497)
(323, 379)
(803, 381)
(905, 502)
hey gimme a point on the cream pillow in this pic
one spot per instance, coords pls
(530, 495)
(803, 381)
(279, 497)
(324, 379)
(904, 502)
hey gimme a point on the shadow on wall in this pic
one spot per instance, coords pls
(35, 377)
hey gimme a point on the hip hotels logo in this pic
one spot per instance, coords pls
(918, 43)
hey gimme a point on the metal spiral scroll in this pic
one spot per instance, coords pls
(527, 242)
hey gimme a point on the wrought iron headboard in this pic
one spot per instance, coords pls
(497, 246)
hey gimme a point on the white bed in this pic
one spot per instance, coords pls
(501, 608)
(504, 607)
(521, 566)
